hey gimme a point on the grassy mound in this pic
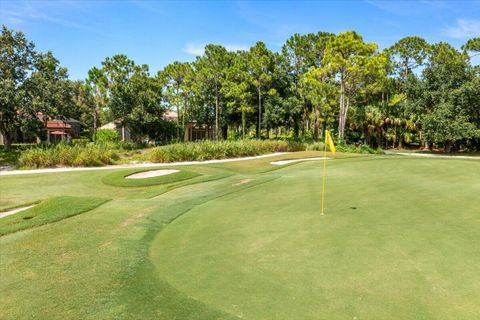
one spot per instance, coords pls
(207, 150)
(48, 211)
(118, 178)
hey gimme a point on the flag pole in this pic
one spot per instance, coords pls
(324, 170)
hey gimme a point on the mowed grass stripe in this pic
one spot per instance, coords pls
(48, 211)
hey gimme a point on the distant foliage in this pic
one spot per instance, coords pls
(360, 149)
(81, 141)
(107, 135)
(317, 146)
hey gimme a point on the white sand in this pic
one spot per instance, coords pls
(136, 165)
(431, 155)
(282, 162)
(16, 210)
(151, 174)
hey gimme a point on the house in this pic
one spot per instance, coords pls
(125, 133)
(195, 131)
(62, 129)
(55, 129)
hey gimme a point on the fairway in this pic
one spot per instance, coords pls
(245, 240)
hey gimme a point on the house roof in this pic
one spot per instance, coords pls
(111, 125)
(170, 115)
(57, 124)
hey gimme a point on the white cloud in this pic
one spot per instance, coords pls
(465, 28)
(234, 47)
(54, 12)
(197, 49)
(194, 49)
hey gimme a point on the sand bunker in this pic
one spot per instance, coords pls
(282, 162)
(151, 174)
(16, 210)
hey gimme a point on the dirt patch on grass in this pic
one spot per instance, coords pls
(243, 182)
(132, 219)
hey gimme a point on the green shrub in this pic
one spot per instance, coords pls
(122, 145)
(81, 141)
(358, 149)
(316, 146)
(207, 150)
(107, 135)
(68, 155)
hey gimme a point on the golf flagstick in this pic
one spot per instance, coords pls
(331, 145)
(324, 172)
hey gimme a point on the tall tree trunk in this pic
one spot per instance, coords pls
(342, 108)
(178, 113)
(7, 141)
(448, 146)
(224, 131)
(243, 124)
(94, 124)
(316, 127)
(296, 129)
(259, 113)
(178, 123)
(345, 112)
(216, 112)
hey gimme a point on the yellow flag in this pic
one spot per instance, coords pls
(329, 141)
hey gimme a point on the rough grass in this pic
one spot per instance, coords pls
(118, 178)
(48, 211)
(207, 150)
(88, 155)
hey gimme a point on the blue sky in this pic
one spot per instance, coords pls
(81, 34)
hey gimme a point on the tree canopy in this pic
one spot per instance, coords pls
(413, 93)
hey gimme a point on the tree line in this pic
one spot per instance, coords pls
(412, 93)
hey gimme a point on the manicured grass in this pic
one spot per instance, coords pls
(245, 241)
(48, 211)
(118, 178)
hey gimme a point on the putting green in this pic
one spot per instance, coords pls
(399, 241)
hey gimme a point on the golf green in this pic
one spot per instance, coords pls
(245, 240)
(399, 241)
